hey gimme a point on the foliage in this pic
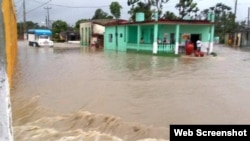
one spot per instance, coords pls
(58, 27)
(100, 14)
(131, 2)
(169, 16)
(29, 25)
(141, 7)
(77, 25)
(115, 9)
(158, 4)
(224, 19)
(242, 24)
(146, 7)
(186, 7)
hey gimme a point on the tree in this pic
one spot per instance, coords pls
(29, 24)
(224, 19)
(58, 27)
(169, 16)
(141, 7)
(100, 14)
(115, 9)
(146, 7)
(77, 25)
(186, 7)
(131, 2)
(158, 4)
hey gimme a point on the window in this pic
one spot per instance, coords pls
(43, 37)
(110, 37)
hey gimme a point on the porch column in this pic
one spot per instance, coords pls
(85, 36)
(155, 44)
(88, 36)
(138, 36)
(177, 34)
(211, 46)
(82, 32)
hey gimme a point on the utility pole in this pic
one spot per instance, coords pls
(248, 18)
(24, 18)
(47, 17)
(235, 12)
(235, 9)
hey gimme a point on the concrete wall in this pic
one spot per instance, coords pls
(110, 43)
(85, 30)
(8, 51)
(98, 29)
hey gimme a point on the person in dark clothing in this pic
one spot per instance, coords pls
(172, 42)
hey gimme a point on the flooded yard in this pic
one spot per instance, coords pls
(88, 93)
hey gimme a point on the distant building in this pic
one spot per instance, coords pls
(69, 36)
(242, 38)
(92, 32)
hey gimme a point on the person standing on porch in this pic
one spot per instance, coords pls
(198, 45)
(172, 42)
(142, 40)
(165, 41)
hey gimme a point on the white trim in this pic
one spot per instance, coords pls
(211, 47)
(176, 47)
(155, 47)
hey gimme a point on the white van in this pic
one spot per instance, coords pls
(40, 37)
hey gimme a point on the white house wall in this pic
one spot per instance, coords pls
(85, 32)
(87, 29)
(98, 29)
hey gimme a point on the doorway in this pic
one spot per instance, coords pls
(194, 38)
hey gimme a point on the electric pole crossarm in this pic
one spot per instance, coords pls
(47, 17)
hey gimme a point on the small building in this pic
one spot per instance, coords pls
(92, 32)
(242, 37)
(69, 36)
(158, 35)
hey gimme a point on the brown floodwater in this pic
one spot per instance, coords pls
(92, 94)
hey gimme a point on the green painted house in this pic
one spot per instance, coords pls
(158, 35)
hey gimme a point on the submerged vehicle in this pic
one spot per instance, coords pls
(40, 37)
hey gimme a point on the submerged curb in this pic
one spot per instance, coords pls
(66, 45)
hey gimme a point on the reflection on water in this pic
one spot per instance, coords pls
(89, 93)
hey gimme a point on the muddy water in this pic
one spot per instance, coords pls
(89, 94)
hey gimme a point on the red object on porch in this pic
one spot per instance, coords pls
(189, 48)
(196, 54)
(201, 54)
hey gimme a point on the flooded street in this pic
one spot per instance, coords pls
(80, 94)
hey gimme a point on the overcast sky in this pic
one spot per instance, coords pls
(73, 10)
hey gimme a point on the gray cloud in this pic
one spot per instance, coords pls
(73, 10)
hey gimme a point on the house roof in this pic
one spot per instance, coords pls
(103, 21)
(161, 21)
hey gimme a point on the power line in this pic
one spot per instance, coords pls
(39, 6)
(66, 6)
